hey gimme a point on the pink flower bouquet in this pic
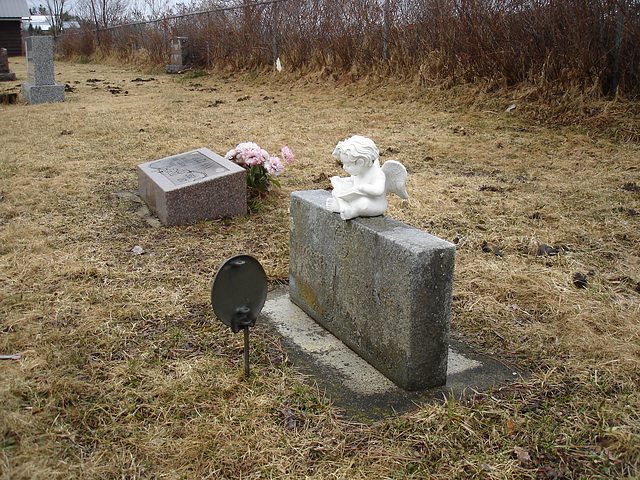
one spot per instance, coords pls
(261, 167)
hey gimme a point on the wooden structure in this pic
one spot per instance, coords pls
(11, 13)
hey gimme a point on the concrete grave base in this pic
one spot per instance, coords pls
(360, 391)
(36, 94)
(193, 187)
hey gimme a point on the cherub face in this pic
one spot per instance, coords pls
(353, 168)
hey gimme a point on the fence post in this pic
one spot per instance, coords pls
(385, 46)
(208, 41)
(620, 20)
(164, 37)
(274, 28)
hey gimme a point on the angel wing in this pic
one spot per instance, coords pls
(396, 178)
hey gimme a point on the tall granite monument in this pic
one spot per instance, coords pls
(41, 86)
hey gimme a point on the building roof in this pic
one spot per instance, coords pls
(35, 21)
(44, 23)
(13, 9)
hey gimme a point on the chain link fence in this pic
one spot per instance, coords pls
(554, 42)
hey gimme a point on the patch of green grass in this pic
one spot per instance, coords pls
(194, 74)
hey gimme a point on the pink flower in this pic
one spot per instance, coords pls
(231, 154)
(247, 146)
(246, 153)
(252, 156)
(274, 166)
(249, 154)
(287, 155)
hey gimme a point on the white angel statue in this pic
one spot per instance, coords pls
(364, 193)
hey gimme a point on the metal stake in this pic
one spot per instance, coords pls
(246, 351)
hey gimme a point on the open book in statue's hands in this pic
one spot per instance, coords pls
(345, 188)
(350, 195)
(342, 185)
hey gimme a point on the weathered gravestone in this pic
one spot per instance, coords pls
(6, 75)
(180, 55)
(194, 186)
(382, 287)
(41, 86)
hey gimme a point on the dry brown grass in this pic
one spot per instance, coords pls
(124, 372)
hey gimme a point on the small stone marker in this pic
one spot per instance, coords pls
(6, 75)
(180, 55)
(194, 186)
(41, 86)
(382, 287)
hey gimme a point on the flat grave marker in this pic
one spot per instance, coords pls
(193, 186)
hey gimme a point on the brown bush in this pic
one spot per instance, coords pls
(555, 43)
(79, 43)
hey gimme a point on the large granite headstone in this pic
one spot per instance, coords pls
(194, 186)
(180, 55)
(40, 86)
(382, 287)
(6, 75)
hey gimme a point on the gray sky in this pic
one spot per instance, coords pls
(69, 4)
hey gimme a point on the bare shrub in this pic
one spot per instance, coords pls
(555, 43)
(80, 43)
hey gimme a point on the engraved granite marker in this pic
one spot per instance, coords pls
(194, 186)
(188, 167)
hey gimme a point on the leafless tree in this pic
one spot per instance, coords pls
(155, 8)
(56, 9)
(102, 13)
